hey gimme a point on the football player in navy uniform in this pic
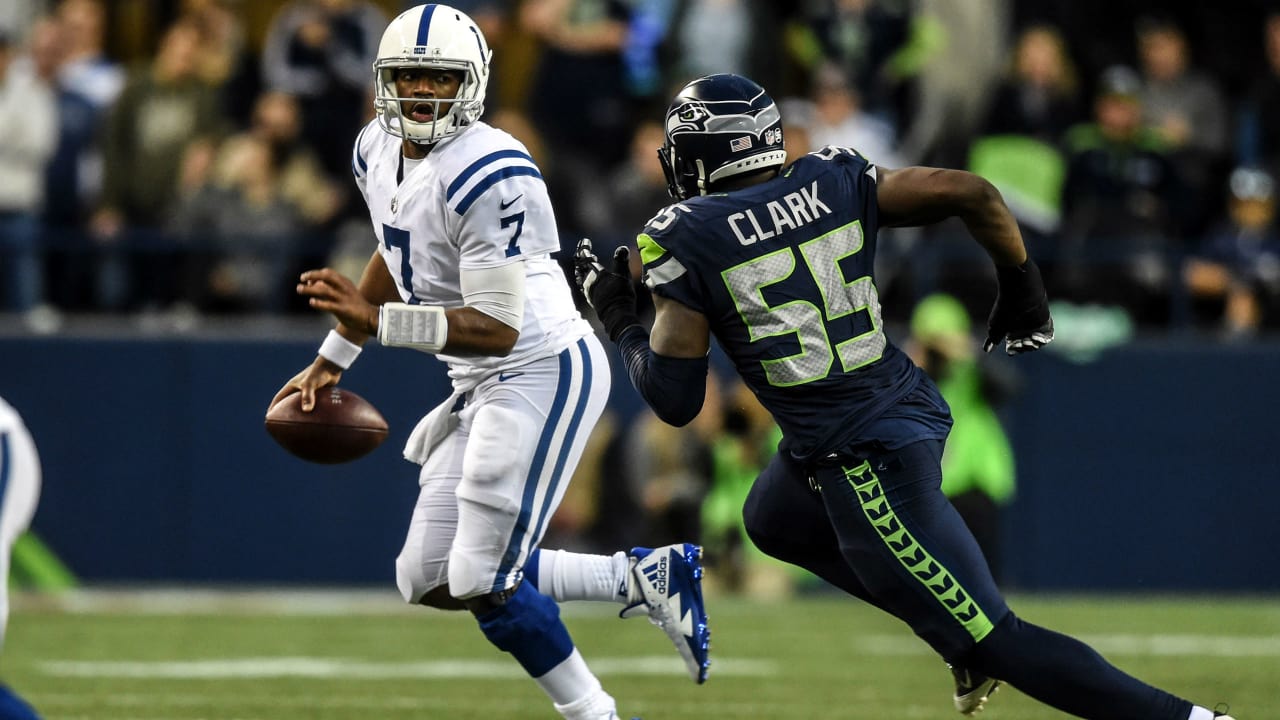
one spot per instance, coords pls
(776, 263)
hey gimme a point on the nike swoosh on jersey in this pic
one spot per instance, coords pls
(505, 376)
(509, 203)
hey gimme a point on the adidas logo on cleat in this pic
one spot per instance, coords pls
(657, 575)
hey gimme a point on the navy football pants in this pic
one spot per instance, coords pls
(881, 530)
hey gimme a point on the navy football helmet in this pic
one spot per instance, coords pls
(717, 127)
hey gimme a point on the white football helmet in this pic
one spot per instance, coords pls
(431, 36)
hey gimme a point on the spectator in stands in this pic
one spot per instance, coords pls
(295, 179)
(225, 60)
(668, 469)
(277, 121)
(1040, 96)
(320, 51)
(247, 229)
(859, 37)
(736, 36)
(1018, 146)
(28, 125)
(1263, 105)
(72, 175)
(797, 118)
(1188, 110)
(1237, 268)
(953, 63)
(159, 135)
(977, 463)
(747, 439)
(87, 69)
(838, 119)
(578, 101)
(631, 194)
(69, 46)
(1120, 207)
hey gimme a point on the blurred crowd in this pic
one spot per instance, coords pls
(197, 170)
(191, 169)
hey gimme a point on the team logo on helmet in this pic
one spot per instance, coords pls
(690, 117)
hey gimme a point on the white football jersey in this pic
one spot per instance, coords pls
(476, 201)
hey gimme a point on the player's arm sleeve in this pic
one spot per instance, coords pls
(497, 292)
(673, 387)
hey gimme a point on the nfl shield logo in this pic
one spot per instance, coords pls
(740, 144)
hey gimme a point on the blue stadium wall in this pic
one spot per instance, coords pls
(1153, 468)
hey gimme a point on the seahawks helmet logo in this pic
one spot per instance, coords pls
(695, 117)
(690, 117)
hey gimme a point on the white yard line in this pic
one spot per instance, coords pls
(249, 601)
(345, 668)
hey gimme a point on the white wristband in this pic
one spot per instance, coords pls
(421, 327)
(338, 350)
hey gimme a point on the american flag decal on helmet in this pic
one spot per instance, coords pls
(740, 144)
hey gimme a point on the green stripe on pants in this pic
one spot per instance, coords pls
(912, 555)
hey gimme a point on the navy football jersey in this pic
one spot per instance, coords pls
(783, 273)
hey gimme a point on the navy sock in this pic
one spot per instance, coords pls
(1063, 672)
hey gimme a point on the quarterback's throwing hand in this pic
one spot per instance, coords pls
(330, 291)
(608, 290)
(1021, 313)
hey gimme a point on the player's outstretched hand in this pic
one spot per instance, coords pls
(608, 290)
(332, 292)
(1021, 313)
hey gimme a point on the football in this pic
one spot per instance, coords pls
(341, 427)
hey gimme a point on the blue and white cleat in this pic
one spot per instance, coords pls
(670, 583)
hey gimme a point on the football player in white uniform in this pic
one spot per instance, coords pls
(464, 270)
(19, 492)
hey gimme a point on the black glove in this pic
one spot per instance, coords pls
(610, 291)
(1021, 312)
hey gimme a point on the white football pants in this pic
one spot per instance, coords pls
(497, 467)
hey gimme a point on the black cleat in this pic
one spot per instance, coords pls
(972, 690)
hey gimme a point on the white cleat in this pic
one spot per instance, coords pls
(670, 582)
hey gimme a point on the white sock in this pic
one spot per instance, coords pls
(597, 706)
(570, 681)
(1200, 713)
(577, 693)
(564, 575)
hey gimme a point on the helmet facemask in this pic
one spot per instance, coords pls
(449, 115)
(683, 181)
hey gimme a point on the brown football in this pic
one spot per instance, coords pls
(341, 427)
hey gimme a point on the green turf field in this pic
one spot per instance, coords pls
(285, 657)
